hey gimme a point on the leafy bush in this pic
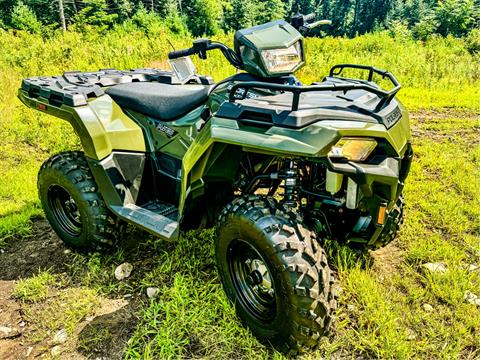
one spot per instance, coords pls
(473, 41)
(425, 28)
(455, 16)
(23, 18)
(399, 29)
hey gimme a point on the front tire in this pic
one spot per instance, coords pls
(73, 205)
(393, 224)
(275, 273)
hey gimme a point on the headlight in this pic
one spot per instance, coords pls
(283, 60)
(354, 149)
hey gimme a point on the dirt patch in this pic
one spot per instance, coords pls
(43, 250)
(102, 335)
(105, 336)
(11, 322)
(429, 114)
(387, 259)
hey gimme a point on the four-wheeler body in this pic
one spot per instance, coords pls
(277, 166)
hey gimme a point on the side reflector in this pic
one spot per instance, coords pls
(382, 214)
(41, 106)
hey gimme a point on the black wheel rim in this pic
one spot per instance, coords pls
(65, 210)
(252, 280)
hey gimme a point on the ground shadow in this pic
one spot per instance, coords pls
(106, 335)
(26, 256)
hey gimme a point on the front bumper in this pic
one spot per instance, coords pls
(385, 179)
(380, 186)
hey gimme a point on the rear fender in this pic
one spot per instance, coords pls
(101, 125)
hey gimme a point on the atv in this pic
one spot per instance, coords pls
(278, 167)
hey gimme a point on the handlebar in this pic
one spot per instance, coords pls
(181, 53)
(304, 23)
(309, 17)
(200, 48)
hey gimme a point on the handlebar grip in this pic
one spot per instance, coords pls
(181, 53)
(309, 17)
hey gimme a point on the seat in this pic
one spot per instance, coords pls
(161, 101)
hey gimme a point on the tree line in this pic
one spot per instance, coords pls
(420, 18)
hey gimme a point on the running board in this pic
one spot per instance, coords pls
(161, 220)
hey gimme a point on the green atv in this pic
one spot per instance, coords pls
(276, 166)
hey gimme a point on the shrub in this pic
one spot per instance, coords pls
(399, 29)
(425, 28)
(23, 18)
(473, 42)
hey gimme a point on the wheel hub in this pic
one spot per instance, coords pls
(65, 210)
(252, 280)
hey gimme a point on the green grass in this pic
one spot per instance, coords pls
(381, 311)
(35, 288)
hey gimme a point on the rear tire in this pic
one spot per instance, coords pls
(275, 272)
(73, 205)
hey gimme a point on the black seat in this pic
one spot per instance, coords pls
(161, 101)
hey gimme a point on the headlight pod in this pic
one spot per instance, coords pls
(353, 149)
(278, 61)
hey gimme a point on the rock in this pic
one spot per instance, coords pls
(152, 292)
(67, 251)
(22, 324)
(427, 307)
(438, 267)
(60, 337)
(29, 351)
(6, 332)
(473, 267)
(472, 298)
(127, 296)
(123, 271)
(411, 335)
(56, 351)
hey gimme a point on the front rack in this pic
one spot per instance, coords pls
(385, 95)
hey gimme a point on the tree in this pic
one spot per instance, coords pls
(23, 18)
(269, 10)
(95, 13)
(455, 16)
(203, 16)
(239, 14)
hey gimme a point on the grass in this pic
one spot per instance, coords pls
(35, 288)
(381, 312)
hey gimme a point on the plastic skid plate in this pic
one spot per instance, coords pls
(74, 88)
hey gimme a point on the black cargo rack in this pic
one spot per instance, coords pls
(75, 88)
(356, 84)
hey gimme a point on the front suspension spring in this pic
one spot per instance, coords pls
(291, 180)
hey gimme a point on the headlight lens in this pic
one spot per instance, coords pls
(353, 149)
(283, 60)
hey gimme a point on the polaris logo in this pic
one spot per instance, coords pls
(393, 117)
(166, 130)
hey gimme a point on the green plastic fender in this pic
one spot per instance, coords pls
(313, 141)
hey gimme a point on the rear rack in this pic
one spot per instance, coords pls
(386, 95)
(75, 88)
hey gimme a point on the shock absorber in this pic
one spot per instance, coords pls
(290, 196)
